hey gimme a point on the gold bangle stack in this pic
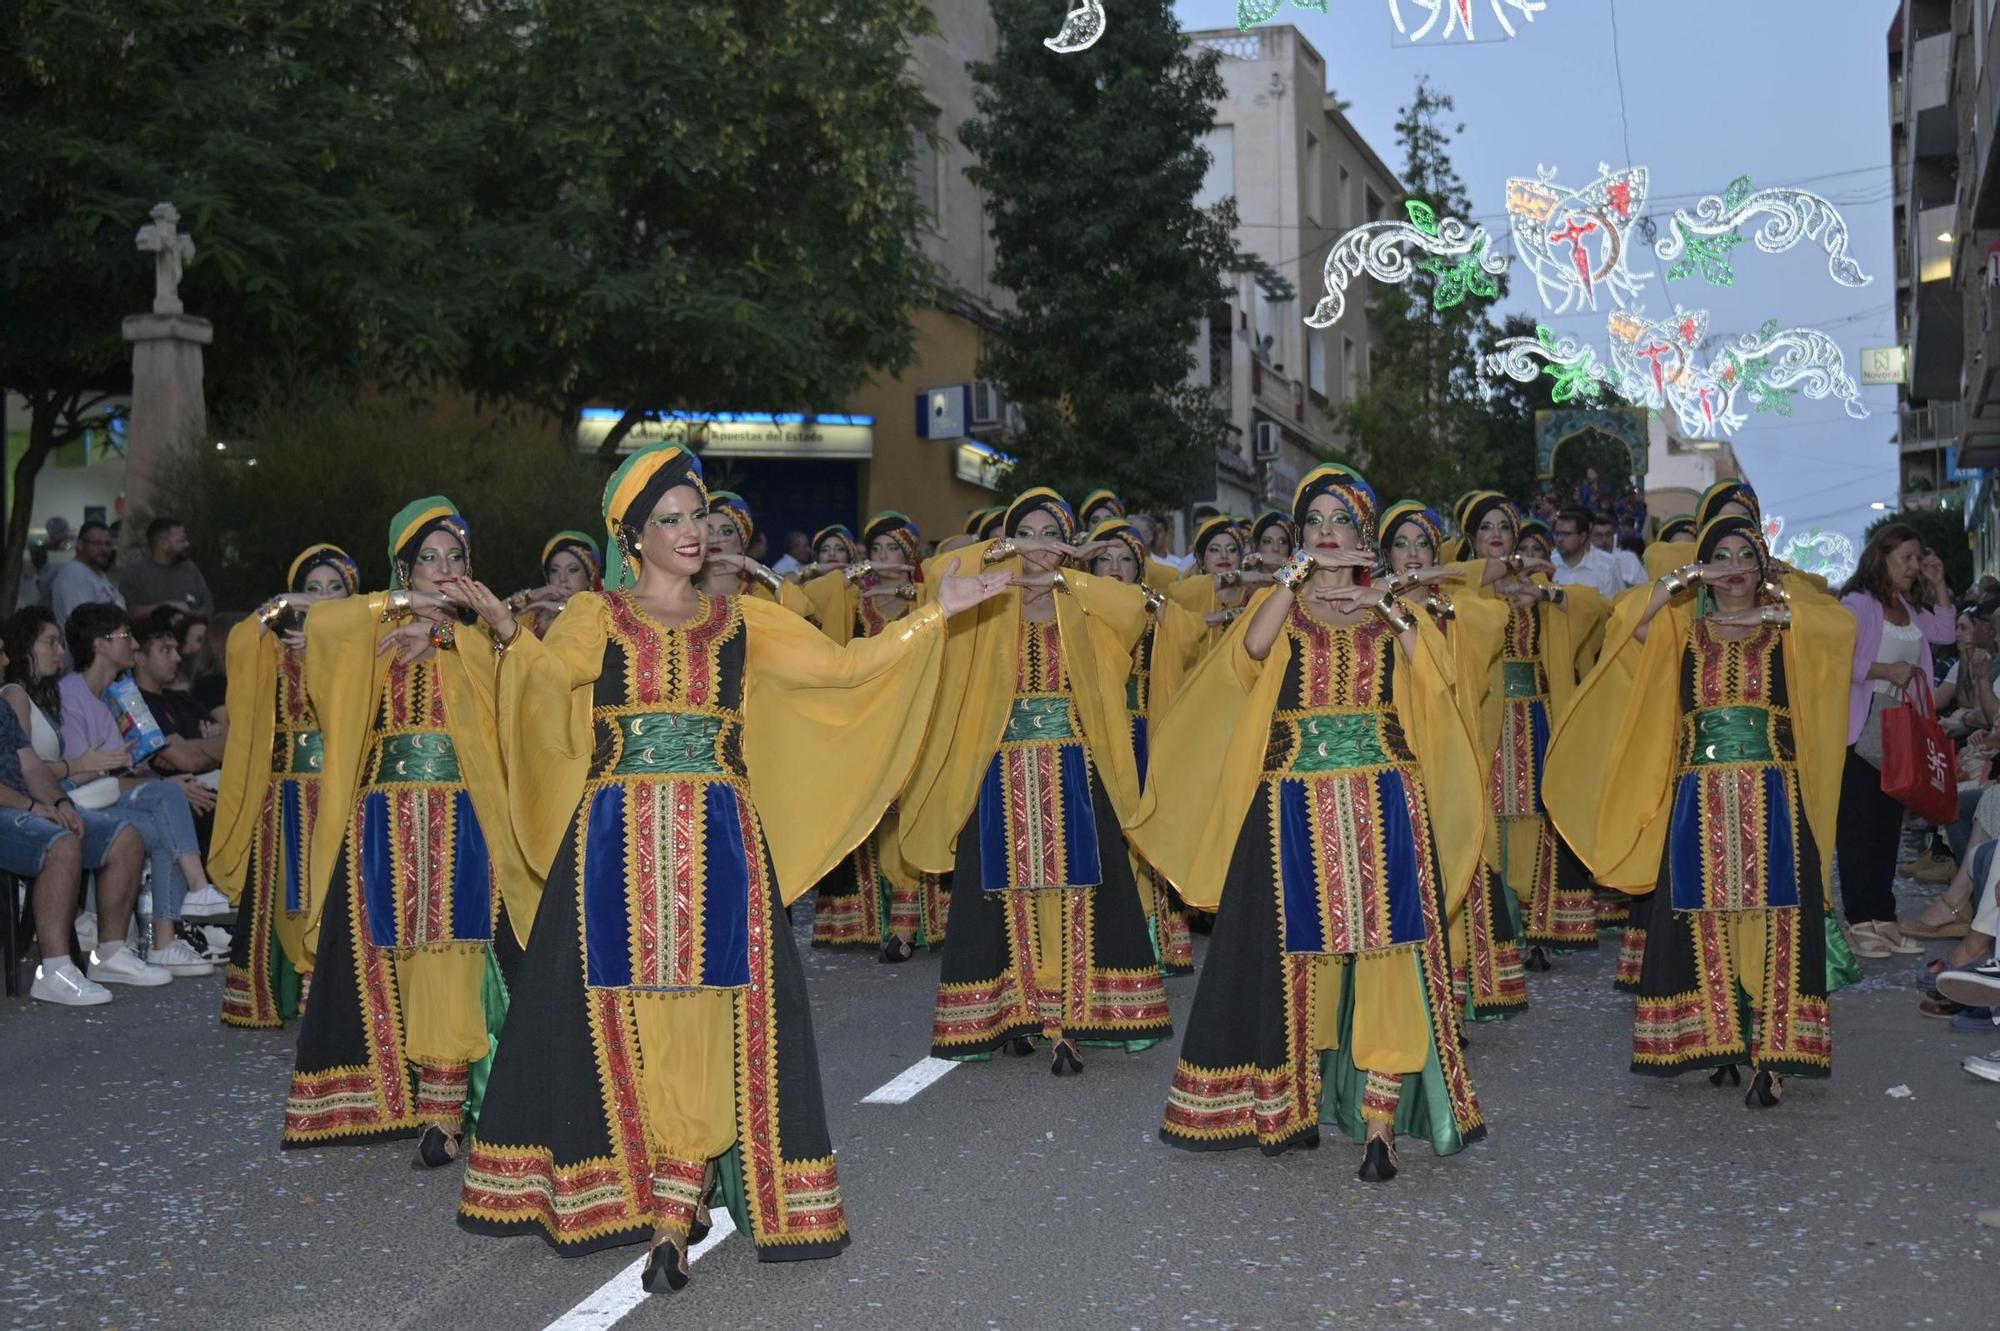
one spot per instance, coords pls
(1399, 619)
(769, 579)
(396, 607)
(1680, 579)
(999, 550)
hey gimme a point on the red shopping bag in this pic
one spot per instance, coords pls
(1919, 762)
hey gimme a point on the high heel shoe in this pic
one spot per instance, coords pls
(698, 1228)
(897, 950)
(435, 1149)
(1018, 1047)
(1766, 1090)
(676, 1275)
(1728, 1071)
(1065, 1061)
(1378, 1161)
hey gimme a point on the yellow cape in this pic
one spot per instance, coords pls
(1208, 754)
(1100, 621)
(829, 732)
(344, 679)
(1608, 780)
(251, 658)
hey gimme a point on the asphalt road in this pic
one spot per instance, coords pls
(144, 1188)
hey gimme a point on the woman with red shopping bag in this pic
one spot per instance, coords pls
(1901, 606)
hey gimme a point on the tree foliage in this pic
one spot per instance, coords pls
(701, 205)
(1091, 163)
(1424, 423)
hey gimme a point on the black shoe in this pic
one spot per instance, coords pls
(1537, 960)
(655, 1268)
(897, 950)
(1765, 1091)
(1309, 1140)
(1729, 1072)
(1018, 1047)
(1065, 1062)
(698, 1228)
(1378, 1161)
(436, 1148)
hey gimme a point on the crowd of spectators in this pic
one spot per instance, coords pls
(110, 747)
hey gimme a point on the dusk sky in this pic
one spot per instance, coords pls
(1791, 92)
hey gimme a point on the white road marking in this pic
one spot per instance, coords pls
(905, 1085)
(608, 1304)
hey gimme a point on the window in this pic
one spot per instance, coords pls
(924, 164)
(1340, 213)
(1316, 364)
(1349, 386)
(1374, 205)
(1220, 182)
(1312, 181)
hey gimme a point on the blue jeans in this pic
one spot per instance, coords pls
(25, 839)
(159, 811)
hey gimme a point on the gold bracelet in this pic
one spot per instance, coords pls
(771, 580)
(1153, 599)
(1440, 606)
(999, 550)
(500, 645)
(1229, 577)
(856, 572)
(397, 606)
(1294, 574)
(1516, 561)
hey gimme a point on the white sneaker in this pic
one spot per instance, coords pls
(1986, 1067)
(205, 903)
(60, 982)
(86, 931)
(214, 942)
(177, 958)
(124, 967)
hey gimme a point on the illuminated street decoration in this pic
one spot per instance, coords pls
(1462, 259)
(1572, 364)
(1577, 242)
(1457, 16)
(1829, 554)
(1654, 365)
(1795, 215)
(1249, 13)
(1081, 27)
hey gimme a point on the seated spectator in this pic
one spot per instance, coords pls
(101, 649)
(85, 580)
(166, 577)
(156, 666)
(45, 838)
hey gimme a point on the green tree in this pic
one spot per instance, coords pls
(1422, 425)
(290, 138)
(1091, 163)
(690, 204)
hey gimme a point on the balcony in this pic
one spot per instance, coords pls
(1930, 71)
(1922, 429)
(1275, 394)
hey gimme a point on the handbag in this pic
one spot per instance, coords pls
(1919, 762)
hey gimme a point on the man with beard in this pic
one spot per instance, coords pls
(84, 580)
(166, 577)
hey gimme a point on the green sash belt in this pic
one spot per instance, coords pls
(1728, 735)
(1524, 679)
(1333, 743)
(669, 744)
(299, 753)
(1044, 718)
(424, 758)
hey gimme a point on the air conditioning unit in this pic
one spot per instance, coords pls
(1266, 444)
(989, 409)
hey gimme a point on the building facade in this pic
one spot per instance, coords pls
(1302, 176)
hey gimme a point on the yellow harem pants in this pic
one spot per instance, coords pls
(1390, 1031)
(687, 1086)
(444, 1025)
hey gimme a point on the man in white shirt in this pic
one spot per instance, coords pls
(1604, 536)
(1578, 562)
(85, 579)
(798, 553)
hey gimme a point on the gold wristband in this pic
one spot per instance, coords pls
(1294, 574)
(1153, 599)
(999, 550)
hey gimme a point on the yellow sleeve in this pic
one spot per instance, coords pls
(830, 733)
(544, 698)
(975, 689)
(1177, 645)
(1207, 750)
(830, 603)
(471, 683)
(1618, 735)
(251, 659)
(1196, 592)
(1819, 656)
(343, 678)
(1427, 702)
(1161, 576)
(1101, 621)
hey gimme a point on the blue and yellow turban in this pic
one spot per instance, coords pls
(1346, 485)
(1270, 518)
(1681, 524)
(1414, 512)
(1100, 498)
(1733, 524)
(1474, 509)
(415, 521)
(333, 557)
(1220, 525)
(844, 534)
(1122, 531)
(582, 546)
(739, 509)
(634, 491)
(898, 526)
(1048, 501)
(1709, 506)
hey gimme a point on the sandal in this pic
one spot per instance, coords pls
(1940, 921)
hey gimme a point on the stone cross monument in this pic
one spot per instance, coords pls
(169, 411)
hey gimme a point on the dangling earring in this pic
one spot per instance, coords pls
(402, 573)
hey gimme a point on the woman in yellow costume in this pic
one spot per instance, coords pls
(1326, 716)
(1542, 654)
(668, 753)
(1727, 737)
(1272, 540)
(1167, 650)
(268, 802)
(571, 564)
(871, 899)
(1028, 772)
(1218, 588)
(1485, 946)
(412, 858)
(729, 570)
